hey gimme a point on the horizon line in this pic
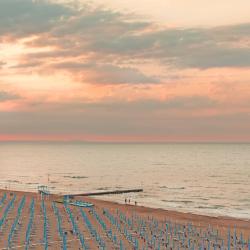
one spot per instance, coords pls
(126, 142)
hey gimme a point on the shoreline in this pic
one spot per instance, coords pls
(175, 214)
(223, 221)
(154, 207)
(181, 210)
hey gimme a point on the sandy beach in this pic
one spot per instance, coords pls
(147, 224)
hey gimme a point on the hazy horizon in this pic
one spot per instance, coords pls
(125, 142)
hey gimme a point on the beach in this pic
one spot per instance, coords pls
(147, 224)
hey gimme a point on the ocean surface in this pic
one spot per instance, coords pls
(209, 179)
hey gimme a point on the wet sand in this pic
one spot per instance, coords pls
(149, 216)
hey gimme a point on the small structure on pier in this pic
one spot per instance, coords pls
(43, 191)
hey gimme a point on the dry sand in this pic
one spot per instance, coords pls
(18, 241)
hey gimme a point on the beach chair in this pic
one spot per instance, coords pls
(30, 223)
(61, 233)
(14, 225)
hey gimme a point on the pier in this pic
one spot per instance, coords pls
(108, 192)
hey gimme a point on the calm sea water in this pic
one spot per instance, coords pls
(202, 178)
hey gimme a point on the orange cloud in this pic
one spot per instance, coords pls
(102, 75)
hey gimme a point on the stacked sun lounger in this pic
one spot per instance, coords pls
(16, 221)
(108, 231)
(75, 227)
(30, 223)
(3, 199)
(45, 226)
(128, 235)
(6, 211)
(153, 234)
(93, 231)
(62, 235)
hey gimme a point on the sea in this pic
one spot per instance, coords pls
(206, 178)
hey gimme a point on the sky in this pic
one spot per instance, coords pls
(125, 71)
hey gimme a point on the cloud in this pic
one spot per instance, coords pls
(121, 119)
(214, 57)
(185, 48)
(113, 39)
(1, 64)
(106, 73)
(182, 103)
(20, 18)
(182, 48)
(191, 102)
(6, 96)
(26, 65)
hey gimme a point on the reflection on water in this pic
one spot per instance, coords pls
(202, 178)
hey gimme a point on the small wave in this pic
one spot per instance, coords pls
(232, 183)
(59, 173)
(75, 177)
(103, 188)
(215, 176)
(14, 181)
(201, 198)
(211, 207)
(159, 164)
(245, 200)
(178, 201)
(172, 188)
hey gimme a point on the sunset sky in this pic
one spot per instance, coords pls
(125, 70)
